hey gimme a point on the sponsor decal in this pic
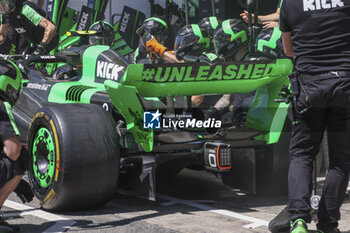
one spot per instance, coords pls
(131, 20)
(124, 22)
(155, 120)
(38, 86)
(311, 5)
(108, 70)
(83, 20)
(48, 57)
(49, 196)
(191, 73)
(20, 30)
(86, 18)
(13, 49)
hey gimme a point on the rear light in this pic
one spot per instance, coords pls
(217, 157)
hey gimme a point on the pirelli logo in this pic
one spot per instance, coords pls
(197, 73)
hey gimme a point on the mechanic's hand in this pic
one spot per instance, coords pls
(270, 24)
(286, 95)
(153, 46)
(41, 49)
(212, 113)
(244, 16)
(24, 192)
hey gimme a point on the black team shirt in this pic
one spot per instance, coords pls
(320, 33)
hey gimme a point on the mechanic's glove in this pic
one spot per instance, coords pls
(153, 46)
(212, 113)
(24, 192)
(41, 49)
(286, 95)
(23, 161)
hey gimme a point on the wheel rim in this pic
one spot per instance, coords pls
(44, 157)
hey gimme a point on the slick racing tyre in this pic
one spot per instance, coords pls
(75, 156)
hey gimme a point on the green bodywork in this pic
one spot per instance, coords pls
(188, 79)
(266, 77)
(264, 115)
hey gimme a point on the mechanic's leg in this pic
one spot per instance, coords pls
(307, 134)
(338, 125)
(8, 188)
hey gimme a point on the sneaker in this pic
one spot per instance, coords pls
(6, 227)
(334, 230)
(298, 226)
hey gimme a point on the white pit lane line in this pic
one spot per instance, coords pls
(61, 225)
(254, 222)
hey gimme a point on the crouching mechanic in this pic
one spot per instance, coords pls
(13, 159)
(30, 21)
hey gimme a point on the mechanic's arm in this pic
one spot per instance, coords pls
(271, 17)
(3, 32)
(288, 44)
(262, 18)
(50, 30)
(12, 148)
(170, 57)
(153, 46)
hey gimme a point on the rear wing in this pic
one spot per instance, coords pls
(267, 77)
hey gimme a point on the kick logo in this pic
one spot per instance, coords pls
(108, 70)
(151, 120)
(311, 5)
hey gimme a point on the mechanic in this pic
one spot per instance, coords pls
(192, 41)
(30, 21)
(14, 43)
(318, 37)
(268, 21)
(157, 27)
(105, 33)
(209, 24)
(230, 42)
(13, 159)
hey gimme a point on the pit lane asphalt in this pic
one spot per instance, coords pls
(191, 202)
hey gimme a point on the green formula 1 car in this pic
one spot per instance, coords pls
(98, 118)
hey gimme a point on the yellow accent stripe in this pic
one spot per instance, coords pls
(49, 196)
(57, 150)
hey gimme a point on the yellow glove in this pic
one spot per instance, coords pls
(153, 46)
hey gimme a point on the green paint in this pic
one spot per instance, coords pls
(132, 111)
(211, 56)
(264, 115)
(272, 43)
(31, 15)
(157, 20)
(12, 119)
(216, 74)
(233, 36)
(214, 22)
(203, 73)
(43, 150)
(177, 75)
(197, 31)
